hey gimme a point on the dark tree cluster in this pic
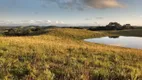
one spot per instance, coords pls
(112, 26)
(24, 31)
(127, 26)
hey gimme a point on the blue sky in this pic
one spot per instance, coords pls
(70, 12)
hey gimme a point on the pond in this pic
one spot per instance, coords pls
(123, 41)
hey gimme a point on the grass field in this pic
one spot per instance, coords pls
(61, 54)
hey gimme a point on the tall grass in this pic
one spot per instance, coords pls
(61, 54)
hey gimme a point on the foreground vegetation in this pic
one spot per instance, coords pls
(61, 54)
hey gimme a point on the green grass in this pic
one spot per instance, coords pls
(61, 54)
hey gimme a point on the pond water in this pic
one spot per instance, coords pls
(123, 41)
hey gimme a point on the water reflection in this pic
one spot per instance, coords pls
(113, 36)
(124, 41)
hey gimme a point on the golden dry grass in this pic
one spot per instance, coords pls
(61, 54)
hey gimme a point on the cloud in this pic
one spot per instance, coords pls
(49, 21)
(88, 19)
(99, 18)
(59, 22)
(140, 16)
(82, 4)
(62, 22)
(31, 22)
(56, 22)
(103, 3)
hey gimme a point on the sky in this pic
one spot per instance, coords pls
(70, 12)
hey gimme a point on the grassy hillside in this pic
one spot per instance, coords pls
(61, 54)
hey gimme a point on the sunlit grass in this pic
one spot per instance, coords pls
(61, 54)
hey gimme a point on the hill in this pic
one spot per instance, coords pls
(61, 54)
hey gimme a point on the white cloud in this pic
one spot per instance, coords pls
(30, 22)
(62, 22)
(49, 21)
(57, 22)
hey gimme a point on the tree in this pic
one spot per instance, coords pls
(113, 26)
(127, 26)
